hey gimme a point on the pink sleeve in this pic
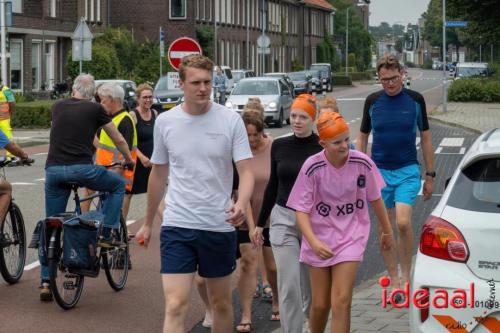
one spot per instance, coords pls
(374, 184)
(301, 197)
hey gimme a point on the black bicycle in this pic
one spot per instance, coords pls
(66, 281)
(12, 237)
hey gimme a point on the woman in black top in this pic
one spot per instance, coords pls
(287, 156)
(144, 118)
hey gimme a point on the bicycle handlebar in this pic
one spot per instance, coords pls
(126, 165)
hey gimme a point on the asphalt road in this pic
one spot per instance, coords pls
(140, 303)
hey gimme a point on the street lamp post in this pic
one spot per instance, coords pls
(359, 4)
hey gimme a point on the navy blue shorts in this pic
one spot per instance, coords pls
(212, 254)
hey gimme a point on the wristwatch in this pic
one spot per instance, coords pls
(431, 174)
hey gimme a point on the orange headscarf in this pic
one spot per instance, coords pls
(307, 103)
(330, 125)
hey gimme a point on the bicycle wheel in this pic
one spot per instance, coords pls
(116, 260)
(66, 287)
(12, 245)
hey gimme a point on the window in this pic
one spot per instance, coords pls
(477, 187)
(177, 9)
(52, 8)
(35, 66)
(49, 64)
(16, 69)
(92, 12)
(17, 6)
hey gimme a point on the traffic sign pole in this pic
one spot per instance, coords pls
(162, 50)
(445, 98)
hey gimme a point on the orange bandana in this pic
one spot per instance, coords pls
(330, 125)
(307, 103)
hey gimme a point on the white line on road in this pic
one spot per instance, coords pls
(351, 99)
(22, 184)
(37, 154)
(35, 264)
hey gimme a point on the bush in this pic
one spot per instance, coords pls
(359, 76)
(339, 80)
(477, 90)
(32, 114)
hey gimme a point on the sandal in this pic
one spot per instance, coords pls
(244, 327)
(275, 316)
(267, 292)
(258, 290)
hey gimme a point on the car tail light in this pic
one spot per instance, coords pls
(440, 239)
(424, 311)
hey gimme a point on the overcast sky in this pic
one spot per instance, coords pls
(392, 11)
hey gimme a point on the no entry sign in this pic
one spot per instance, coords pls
(180, 48)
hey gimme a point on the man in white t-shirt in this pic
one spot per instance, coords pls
(194, 146)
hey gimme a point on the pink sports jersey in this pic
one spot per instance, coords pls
(337, 203)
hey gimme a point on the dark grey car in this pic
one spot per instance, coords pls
(302, 82)
(166, 97)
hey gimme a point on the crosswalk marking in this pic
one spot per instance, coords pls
(451, 143)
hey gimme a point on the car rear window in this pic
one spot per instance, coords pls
(478, 187)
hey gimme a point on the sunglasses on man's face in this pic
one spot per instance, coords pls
(392, 79)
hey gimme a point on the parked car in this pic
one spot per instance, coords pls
(166, 95)
(239, 74)
(273, 92)
(285, 78)
(438, 65)
(315, 80)
(230, 79)
(129, 87)
(325, 70)
(471, 69)
(458, 249)
(302, 82)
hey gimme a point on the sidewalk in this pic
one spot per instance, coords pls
(28, 138)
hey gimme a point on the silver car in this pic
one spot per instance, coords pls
(273, 93)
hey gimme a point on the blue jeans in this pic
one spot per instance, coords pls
(91, 176)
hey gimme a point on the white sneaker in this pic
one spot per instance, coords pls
(207, 321)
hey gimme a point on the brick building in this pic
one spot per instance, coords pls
(295, 27)
(40, 38)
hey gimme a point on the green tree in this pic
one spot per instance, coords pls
(205, 35)
(360, 40)
(104, 64)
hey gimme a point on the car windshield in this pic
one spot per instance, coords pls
(238, 76)
(256, 88)
(162, 84)
(297, 76)
(471, 71)
(322, 69)
(273, 75)
(478, 187)
(313, 73)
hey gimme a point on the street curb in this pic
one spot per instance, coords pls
(450, 123)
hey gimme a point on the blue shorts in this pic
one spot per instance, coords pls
(402, 185)
(212, 254)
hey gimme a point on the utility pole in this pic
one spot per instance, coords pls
(3, 46)
(346, 39)
(263, 33)
(445, 98)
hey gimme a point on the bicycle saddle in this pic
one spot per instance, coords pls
(71, 185)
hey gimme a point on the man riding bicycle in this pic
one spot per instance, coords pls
(5, 188)
(75, 122)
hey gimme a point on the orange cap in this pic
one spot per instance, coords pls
(307, 103)
(331, 124)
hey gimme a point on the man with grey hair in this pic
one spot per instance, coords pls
(75, 122)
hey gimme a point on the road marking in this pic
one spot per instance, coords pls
(37, 154)
(40, 180)
(351, 99)
(35, 264)
(451, 143)
(22, 184)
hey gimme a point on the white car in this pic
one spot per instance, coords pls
(458, 261)
(272, 92)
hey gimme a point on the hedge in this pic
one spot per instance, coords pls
(360, 76)
(32, 114)
(339, 80)
(477, 90)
